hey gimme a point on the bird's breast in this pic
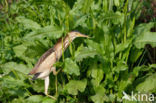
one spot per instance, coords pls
(47, 63)
(44, 74)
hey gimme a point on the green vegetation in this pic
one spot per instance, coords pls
(95, 70)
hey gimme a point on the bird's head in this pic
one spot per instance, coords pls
(75, 34)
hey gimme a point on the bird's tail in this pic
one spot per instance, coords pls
(35, 76)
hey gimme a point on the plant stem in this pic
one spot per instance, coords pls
(56, 84)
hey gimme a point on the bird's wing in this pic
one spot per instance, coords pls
(41, 60)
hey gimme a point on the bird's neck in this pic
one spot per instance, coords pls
(62, 45)
(67, 40)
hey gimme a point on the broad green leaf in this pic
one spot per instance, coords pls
(116, 2)
(16, 90)
(142, 28)
(94, 46)
(76, 85)
(120, 67)
(117, 18)
(28, 23)
(122, 46)
(136, 71)
(19, 50)
(9, 66)
(152, 66)
(84, 52)
(48, 100)
(148, 85)
(78, 6)
(48, 31)
(96, 73)
(123, 84)
(18, 100)
(144, 36)
(38, 86)
(134, 56)
(86, 5)
(80, 21)
(10, 82)
(36, 49)
(35, 99)
(71, 67)
(100, 96)
(128, 78)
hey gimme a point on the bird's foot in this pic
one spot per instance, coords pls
(50, 96)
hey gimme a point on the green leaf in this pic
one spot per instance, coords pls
(71, 67)
(35, 99)
(19, 50)
(18, 100)
(122, 46)
(128, 78)
(148, 85)
(36, 49)
(116, 2)
(17, 90)
(134, 56)
(96, 73)
(117, 17)
(121, 66)
(136, 71)
(84, 52)
(94, 46)
(76, 85)
(80, 21)
(144, 27)
(100, 96)
(10, 82)
(28, 23)
(152, 66)
(144, 36)
(9, 66)
(38, 86)
(48, 31)
(48, 100)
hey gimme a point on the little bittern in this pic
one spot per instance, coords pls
(44, 66)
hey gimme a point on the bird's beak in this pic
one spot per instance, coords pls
(82, 35)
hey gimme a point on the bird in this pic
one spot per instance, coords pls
(45, 64)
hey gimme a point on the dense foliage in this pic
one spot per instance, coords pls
(95, 70)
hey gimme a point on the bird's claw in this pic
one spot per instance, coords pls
(50, 96)
(56, 72)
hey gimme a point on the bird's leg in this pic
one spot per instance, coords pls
(46, 82)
